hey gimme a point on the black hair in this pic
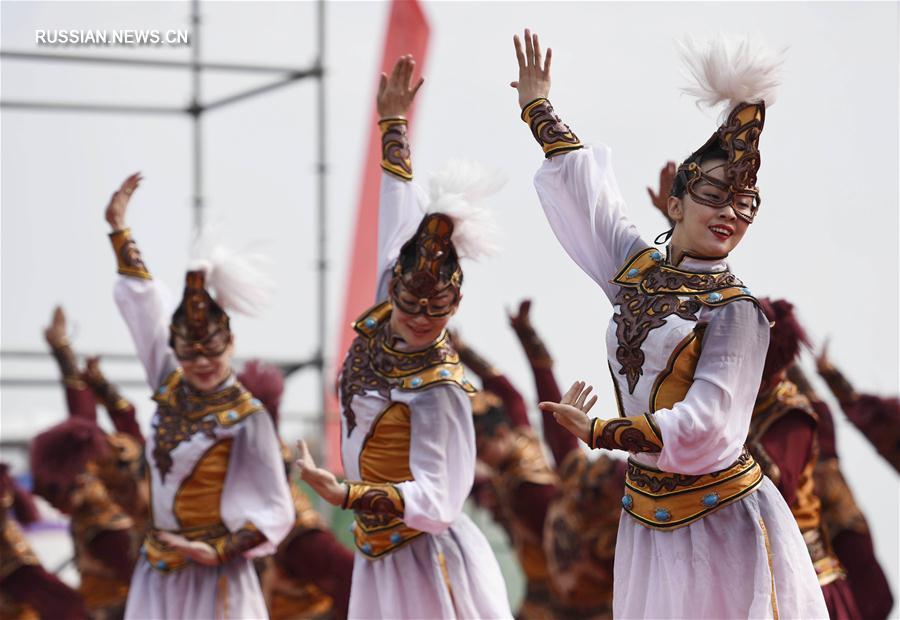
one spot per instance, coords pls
(487, 423)
(705, 153)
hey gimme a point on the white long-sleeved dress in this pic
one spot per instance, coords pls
(215, 467)
(741, 559)
(412, 427)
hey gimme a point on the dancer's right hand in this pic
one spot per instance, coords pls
(534, 73)
(571, 412)
(118, 203)
(322, 481)
(521, 321)
(394, 93)
(55, 334)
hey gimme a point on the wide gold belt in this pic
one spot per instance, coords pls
(378, 535)
(165, 559)
(666, 501)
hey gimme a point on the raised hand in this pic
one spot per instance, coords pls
(321, 480)
(199, 552)
(534, 72)
(521, 320)
(55, 334)
(571, 412)
(823, 362)
(666, 179)
(118, 203)
(394, 93)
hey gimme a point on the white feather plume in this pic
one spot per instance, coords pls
(731, 70)
(457, 191)
(239, 280)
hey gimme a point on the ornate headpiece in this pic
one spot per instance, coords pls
(199, 321)
(453, 227)
(428, 266)
(744, 77)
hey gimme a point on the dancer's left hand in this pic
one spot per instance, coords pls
(571, 412)
(321, 480)
(534, 69)
(199, 552)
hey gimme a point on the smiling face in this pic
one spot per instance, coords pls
(207, 367)
(704, 230)
(422, 328)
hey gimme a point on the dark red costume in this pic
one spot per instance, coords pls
(583, 519)
(310, 574)
(26, 589)
(782, 438)
(844, 521)
(876, 417)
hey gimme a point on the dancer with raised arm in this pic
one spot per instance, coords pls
(219, 494)
(582, 520)
(408, 446)
(703, 533)
(521, 479)
(876, 417)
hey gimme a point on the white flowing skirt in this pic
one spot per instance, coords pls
(196, 592)
(448, 575)
(747, 560)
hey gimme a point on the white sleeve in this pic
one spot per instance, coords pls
(441, 458)
(400, 212)
(581, 199)
(147, 309)
(256, 490)
(706, 431)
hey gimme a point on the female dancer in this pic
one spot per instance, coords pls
(219, 496)
(704, 533)
(407, 430)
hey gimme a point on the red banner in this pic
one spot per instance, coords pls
(407, 33)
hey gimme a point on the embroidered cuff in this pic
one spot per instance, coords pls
(395, 148)
(552, 134)
(635, 434)
(235, 543)
(107, 393)
(128, 256)
(379, 499)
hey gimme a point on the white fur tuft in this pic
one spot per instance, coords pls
(239, 280)
(457, 191)
(731, 70)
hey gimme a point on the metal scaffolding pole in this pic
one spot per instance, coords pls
(196, 110)
(322, 171)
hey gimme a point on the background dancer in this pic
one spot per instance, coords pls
(848, 531)
(309, 575)
(583, 519)
(522, 481)
(683, 408)
(408, 442)
(219, 494)
(26, 588)
(783, 440)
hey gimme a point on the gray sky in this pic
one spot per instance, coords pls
(825, 238)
